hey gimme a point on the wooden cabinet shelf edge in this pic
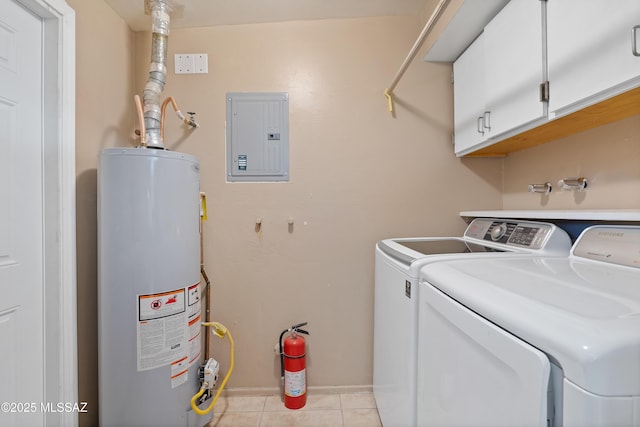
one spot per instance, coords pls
(611, 110)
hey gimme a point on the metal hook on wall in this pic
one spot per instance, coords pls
(545, 188)
(573, 184)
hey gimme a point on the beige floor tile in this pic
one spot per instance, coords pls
(357, 401)
(274, 403)
(361, 418)
(321, 410)
(324, 418)
(240, 404)
(314, 402)
(322, 402)
(236, 419)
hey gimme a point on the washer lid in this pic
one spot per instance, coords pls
(583, 314)
(410, 249)
(483, 235)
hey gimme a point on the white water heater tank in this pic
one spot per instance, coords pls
(149, 329)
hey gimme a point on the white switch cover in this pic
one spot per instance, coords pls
(184, 63)
(201, 63)
(191, 63)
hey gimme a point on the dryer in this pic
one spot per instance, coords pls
(397, 265)
(535, 341)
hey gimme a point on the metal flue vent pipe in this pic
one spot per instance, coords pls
(157, 71)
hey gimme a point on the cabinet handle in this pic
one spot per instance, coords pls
(634, 40)
(486, 120)
(481, 125)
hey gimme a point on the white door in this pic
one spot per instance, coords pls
(472, 373)
(21, 217)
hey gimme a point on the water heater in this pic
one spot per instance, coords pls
(148, 287)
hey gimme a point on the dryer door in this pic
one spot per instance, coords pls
(472, 373)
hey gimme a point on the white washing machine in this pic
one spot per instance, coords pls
(535, 341)
(397, 265)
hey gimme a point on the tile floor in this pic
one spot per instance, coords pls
(321, 410)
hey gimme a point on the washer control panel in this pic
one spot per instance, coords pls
(524, 234)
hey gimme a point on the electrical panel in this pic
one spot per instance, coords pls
(257, 132)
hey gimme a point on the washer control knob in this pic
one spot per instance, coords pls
(498, 231)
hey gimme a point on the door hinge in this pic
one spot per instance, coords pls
(453, 77)
(544, 91)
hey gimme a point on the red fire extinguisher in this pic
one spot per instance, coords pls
(293, 367)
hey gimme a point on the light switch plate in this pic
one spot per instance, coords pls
(191, 63)
(184, 63)
(201, 63)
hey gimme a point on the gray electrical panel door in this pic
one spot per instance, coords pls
(257, 136)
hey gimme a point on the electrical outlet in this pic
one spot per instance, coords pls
(209, 373)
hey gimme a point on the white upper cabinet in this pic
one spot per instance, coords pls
(577, 53)
(469, 20)
(514, 66)
(469, 97)
(589, 51)
(497, 79)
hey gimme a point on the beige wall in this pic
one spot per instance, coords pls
(357, 175)
(608, 156)
(104, 117)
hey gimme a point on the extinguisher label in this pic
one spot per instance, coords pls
(295, 383)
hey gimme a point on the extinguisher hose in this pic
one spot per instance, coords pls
(282, 356)
(220, 331)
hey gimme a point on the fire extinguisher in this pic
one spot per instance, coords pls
(293, 367)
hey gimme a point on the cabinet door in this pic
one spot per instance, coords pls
(514, 66)
(589, 51)
(468, 96)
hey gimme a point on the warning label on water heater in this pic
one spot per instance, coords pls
(162, 328)
(194, 321)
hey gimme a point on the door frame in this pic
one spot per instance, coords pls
(59, 197)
